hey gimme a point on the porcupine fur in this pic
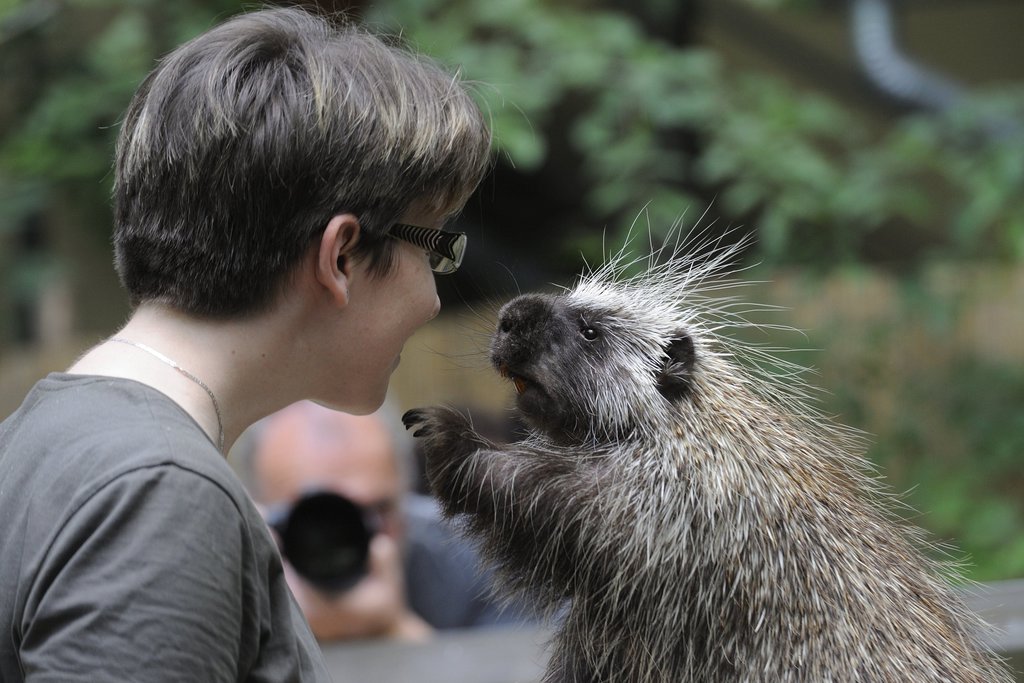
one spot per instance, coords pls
(690, 519)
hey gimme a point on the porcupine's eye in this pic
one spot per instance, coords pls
(589, 333)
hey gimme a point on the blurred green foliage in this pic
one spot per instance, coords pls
(82, 65)
(655, 126)
(69, 69)
(946, 428)
(646, 126)
(974, 494)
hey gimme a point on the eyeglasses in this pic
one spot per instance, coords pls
(446, 248)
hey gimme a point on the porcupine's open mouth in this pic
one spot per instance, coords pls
(518, 381)
(533, 401)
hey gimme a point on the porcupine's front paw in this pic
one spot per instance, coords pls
(443, 432)
(447, 440)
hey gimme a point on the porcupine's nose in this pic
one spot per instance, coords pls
(520, 324)
(522, 315)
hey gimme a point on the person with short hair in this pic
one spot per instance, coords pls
(281, 185)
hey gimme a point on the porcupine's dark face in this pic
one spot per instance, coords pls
(582, 370)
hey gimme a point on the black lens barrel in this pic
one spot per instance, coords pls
(326, 539)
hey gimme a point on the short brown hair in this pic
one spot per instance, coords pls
(241, 145)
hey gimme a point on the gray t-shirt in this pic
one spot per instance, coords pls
(129, 551)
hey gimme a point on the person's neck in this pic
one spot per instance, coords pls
(233, 360)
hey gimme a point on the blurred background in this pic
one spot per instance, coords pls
(874, 149)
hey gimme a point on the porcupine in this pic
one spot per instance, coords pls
(689, 518)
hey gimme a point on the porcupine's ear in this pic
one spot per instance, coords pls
(674, 376)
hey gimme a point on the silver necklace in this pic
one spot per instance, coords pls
(164, 359)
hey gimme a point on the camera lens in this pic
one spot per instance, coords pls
(326, 540)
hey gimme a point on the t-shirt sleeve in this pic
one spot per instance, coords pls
(147, 581)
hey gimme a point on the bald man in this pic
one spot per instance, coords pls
(420, 575)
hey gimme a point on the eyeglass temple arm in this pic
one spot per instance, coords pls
(434, 240)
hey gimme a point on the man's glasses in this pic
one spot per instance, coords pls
(445, 248)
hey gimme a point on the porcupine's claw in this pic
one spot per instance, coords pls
(418, 420)
(412, 417)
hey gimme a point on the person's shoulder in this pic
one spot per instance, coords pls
(97, 414)
(74, 434)
(157, 553)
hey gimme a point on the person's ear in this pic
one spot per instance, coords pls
(334, 258)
